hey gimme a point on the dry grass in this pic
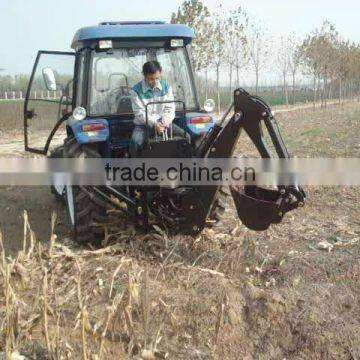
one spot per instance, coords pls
(62, 302)
(219, 296)
(11, 115)
(229, 294)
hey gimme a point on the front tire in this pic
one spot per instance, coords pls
(58, 190)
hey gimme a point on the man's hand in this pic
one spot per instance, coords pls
(167, 117)
(160, 127)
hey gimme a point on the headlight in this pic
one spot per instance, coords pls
(209, 105)
(79, 113)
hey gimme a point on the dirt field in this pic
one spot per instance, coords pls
(229, 294)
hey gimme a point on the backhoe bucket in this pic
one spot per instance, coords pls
(257, 208)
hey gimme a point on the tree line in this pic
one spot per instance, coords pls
(233, 42)
(19, 84)
(14, 83)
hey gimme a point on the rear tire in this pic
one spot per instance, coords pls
(87, 213)
(219, 206)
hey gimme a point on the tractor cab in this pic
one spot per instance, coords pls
(87, 93)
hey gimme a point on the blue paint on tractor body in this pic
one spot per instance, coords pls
(198, 129)
(133, 31)
(85, 137)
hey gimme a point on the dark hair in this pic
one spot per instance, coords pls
(151, 67)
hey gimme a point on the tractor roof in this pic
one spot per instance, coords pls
(132, 31)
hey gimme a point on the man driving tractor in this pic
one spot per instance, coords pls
(160, 116)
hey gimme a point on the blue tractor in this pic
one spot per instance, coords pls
(83, 99)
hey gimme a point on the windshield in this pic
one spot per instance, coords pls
(115, 72)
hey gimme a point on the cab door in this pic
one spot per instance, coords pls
(48, 100)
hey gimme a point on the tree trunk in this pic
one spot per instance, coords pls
(314, 101)
(350, 93)
(320, 91)
(218, 86)
(293, 87)
(330, 89)
(340, 90)
(256, 81)
(350, 90)
(324, 91)
(230, 77)
(206, 83)
(237, 76)
(285, 89)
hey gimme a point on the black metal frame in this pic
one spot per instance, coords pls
(163, 102)
(192, 78)
(28, 113)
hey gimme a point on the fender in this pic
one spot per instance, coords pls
(90, 130)
(195, 126)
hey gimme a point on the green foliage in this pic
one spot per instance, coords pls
(14, 83)
(196, 15)
(329, 58)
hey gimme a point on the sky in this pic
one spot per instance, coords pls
(27, 26)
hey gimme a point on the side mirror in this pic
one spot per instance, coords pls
(49, 79)
(209, 105)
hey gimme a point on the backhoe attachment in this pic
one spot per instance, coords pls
(257, 207)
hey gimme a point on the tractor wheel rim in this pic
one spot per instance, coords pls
(70, 203)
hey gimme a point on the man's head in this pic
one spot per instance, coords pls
(152, 73)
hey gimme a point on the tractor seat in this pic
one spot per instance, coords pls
(119, 100)
(124, 105)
